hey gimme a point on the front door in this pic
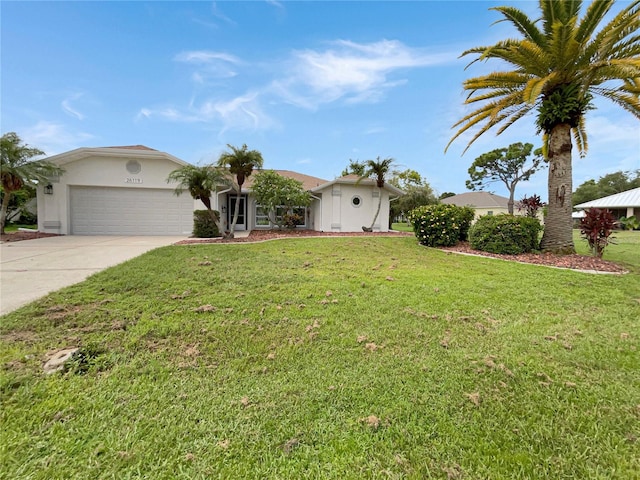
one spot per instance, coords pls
(241, 224)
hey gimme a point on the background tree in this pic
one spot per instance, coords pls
(377, 170)
(18, 169)
(273, 191)
(507, 165)
(201, 182)
(417, 192)
(446, 195)
(558, 69)
(355, 168)
(241, 162)
(606, 185)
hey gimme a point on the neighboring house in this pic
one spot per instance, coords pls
(124, 191)
(484, 203)
(340, 205)
(623, 204)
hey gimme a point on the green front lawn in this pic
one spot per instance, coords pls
(326, 358)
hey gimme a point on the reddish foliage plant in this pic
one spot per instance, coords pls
(596, 227)
(530, 205)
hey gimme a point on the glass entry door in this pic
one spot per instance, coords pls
(241, 224)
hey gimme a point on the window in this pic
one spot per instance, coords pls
(262, 216)
(356, 201)
(490, 212)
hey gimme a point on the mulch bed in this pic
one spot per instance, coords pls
(19, 236)
(574, 262)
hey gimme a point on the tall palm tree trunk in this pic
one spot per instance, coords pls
(375, 217)
(558, 225)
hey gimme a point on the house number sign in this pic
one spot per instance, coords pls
(132, 180)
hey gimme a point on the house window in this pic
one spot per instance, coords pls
(356, 201)
(490, 212)
(262, 215)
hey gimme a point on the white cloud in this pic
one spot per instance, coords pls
(350, 71)
(54, 138)
(204, 56)
(66, 106)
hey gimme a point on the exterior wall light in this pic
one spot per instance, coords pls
(48, 189)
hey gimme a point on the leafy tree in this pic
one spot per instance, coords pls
(19, 169)
(609, 184)
(273, 191)
(417, 192)
(241, 163)
(446, 195)
(557, 70)
(507, 165)
(355, 168)
(201, 182)
(377, 170)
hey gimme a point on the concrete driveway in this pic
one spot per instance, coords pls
(32, 268)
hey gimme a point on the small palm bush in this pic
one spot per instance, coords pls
(441, 225)
(505, 234)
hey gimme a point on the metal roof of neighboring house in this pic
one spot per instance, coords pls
(308, 182)
(477, 200)
(630, 198)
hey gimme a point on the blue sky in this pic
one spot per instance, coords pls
(310, 85)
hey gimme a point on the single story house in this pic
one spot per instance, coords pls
(124, 191)
(484, 203)
(623, 204)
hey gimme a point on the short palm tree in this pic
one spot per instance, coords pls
(377, 170)
(17, 169)
(201, 182)
(241, 163)
(557, 70)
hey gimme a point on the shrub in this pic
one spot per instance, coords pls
(530, 205)
(505, 234)
(203, 224)
(441, 225)
(596, 227)
(629, 223)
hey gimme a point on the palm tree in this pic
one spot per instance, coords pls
(18, 169)
(201, 182)
(240, 163)
(558, 69)
(377, 170)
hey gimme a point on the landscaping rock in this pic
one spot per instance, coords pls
(56, 360)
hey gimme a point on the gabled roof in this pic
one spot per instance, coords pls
(128, 152)
(308, 182)
(352, 180)
(477, 200)
(630, 198)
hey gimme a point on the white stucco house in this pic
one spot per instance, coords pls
(623, 204)
(124, 191)
(484, 203)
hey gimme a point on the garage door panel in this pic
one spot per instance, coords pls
(129, 211)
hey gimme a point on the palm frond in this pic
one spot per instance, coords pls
(522, 22)
(596, 11)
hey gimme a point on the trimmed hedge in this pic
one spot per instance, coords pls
(441, 225)
(505, 234)
(203, 224)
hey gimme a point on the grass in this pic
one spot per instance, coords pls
(326, 358)
(13, 227)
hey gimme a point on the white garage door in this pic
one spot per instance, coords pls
(130, 211)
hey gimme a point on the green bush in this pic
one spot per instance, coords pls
(441, 225)
(203, 224)
(505, 234)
